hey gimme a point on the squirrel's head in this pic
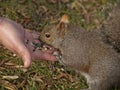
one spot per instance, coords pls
(54, 34)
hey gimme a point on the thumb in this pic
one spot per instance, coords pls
(26, 57)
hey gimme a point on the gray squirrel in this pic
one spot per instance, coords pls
(86, 52)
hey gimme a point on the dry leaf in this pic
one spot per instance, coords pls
(10, 77)
(44, 86)
(65, 75)
(8, 85)
(21, 84)
(10, 64)
(2, 62)
(38, 78)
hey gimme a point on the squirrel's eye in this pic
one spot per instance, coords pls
(47, 35)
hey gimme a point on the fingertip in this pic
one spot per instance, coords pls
(27, 64)
(26, 57)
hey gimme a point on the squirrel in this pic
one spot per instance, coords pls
(86, 52)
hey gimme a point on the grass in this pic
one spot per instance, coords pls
(35, 14)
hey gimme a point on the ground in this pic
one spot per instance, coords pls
(35, 14)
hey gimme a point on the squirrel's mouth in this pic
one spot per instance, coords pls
(56, 52)
(46, 47)
(59, 56)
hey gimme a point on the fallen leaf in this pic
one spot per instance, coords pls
(10, 77)
(38, 79)
(8, 85)
(65, 75)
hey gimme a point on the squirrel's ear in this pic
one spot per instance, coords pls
(63, 22)
(62, 25)
(64, 19)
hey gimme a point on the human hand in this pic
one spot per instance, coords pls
(34, 44)
(13, 37)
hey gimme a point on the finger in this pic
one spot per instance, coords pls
(26, 57)
(43, 55)
(38, 54)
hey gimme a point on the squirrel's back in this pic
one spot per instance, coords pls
(86, 52)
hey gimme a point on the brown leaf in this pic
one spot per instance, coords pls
(21, 84)
(44, 86)
(8, 85)
(65, 75)
(2, 68)
(2, 62)
(38, 79)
